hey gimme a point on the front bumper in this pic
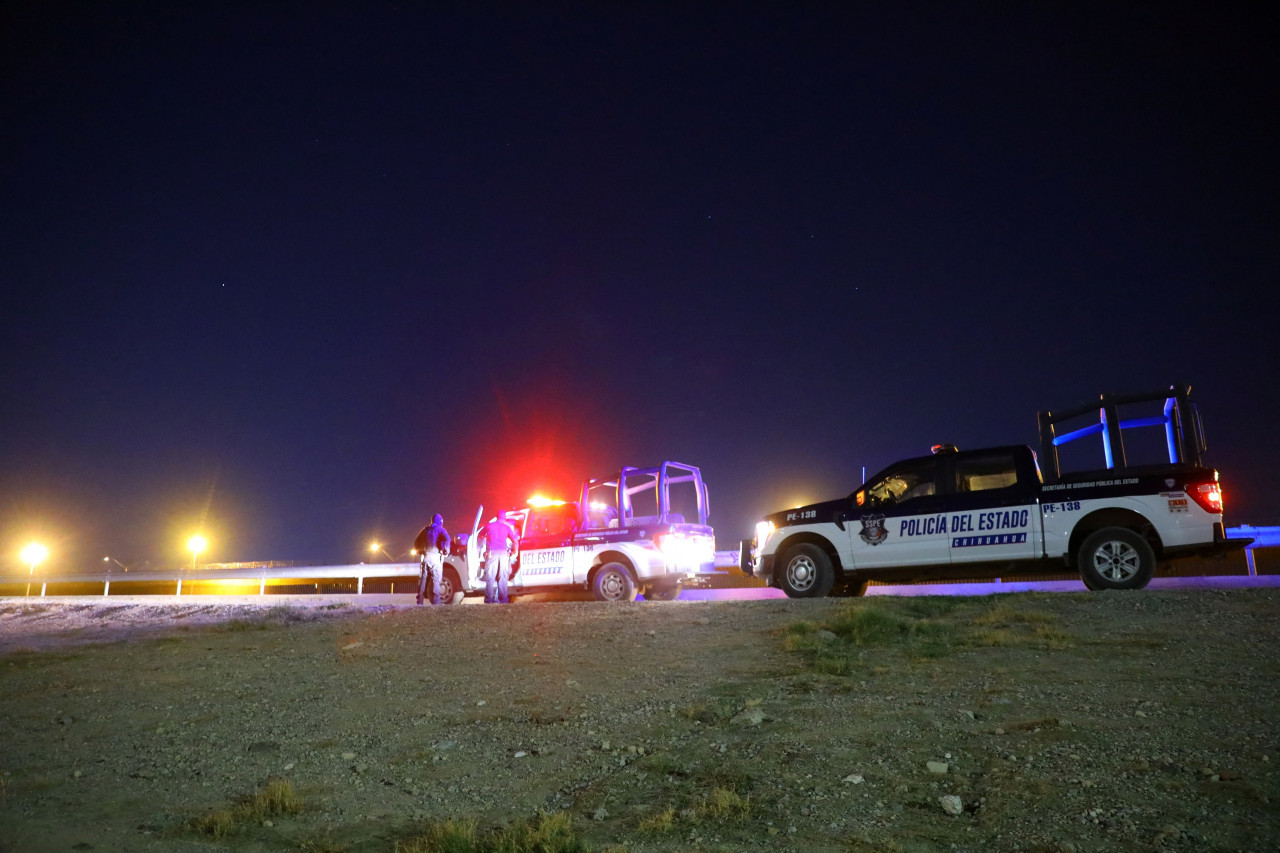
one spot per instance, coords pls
(748, 563)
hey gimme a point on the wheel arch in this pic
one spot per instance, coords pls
(458, 566)
(604, 558)
(808, 537)
(1113, 517)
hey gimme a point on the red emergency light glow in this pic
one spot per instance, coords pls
(538, 501)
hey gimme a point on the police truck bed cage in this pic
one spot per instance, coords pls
(631, 481)
(1184, 433)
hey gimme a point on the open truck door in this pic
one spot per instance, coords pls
(475, 569)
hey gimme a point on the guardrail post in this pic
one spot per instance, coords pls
(179, 592)
(262, 587)
(43, 585)
(359, 584)
(106, 588)
(1248, 558)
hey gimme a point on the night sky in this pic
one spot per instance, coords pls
(301, 276)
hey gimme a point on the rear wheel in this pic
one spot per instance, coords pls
(1116, 558)
(806, 572)
(613, 583)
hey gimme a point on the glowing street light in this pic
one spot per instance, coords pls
(33, 555)
(110, 559)
(376, 547)
(196, 544)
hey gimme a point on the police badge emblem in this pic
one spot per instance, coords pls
(873, 532)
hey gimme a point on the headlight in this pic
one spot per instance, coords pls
(764, 529)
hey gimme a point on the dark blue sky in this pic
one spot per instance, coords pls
(304, 275)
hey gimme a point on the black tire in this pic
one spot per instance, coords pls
(613, 583)
(666, 592)
(1115, 558)
(805, 572)
(450, 588)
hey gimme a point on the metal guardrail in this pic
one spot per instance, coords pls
(358, 572)
(1263, 537)
(262, 572)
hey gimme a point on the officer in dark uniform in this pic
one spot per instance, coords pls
(432, 545)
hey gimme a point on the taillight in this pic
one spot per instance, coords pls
(682, 549)
(1208, 495)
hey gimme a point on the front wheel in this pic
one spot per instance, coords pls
(1116, 558)
(450, 588)
(613, 583)
(806, 572)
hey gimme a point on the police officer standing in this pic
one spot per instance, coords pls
(432, 545)
(499, 539)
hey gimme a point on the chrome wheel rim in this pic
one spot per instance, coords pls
(1116, 561)
(801, 573)
(612, 585)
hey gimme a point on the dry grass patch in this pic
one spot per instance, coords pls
(919, 629)
(547, 833)
(276, 798)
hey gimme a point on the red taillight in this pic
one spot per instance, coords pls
(1208, 495)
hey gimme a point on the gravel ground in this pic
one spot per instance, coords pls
(1034, 722)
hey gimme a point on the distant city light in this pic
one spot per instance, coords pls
(196, 545)
(34, 554)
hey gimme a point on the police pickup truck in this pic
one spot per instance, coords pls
(642, 530)
(992, 512)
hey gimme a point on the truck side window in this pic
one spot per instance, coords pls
(549, 523)
(904, 483)
(985, 472)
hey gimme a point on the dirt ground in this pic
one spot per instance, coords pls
(1024, 722)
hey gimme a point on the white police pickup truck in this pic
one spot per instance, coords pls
(993, 512)
(642, 530)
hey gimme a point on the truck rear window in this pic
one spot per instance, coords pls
(985, 472)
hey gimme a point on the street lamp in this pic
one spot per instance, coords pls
(376, 547)
(195, 545)
(33, 555)
(110, 559)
